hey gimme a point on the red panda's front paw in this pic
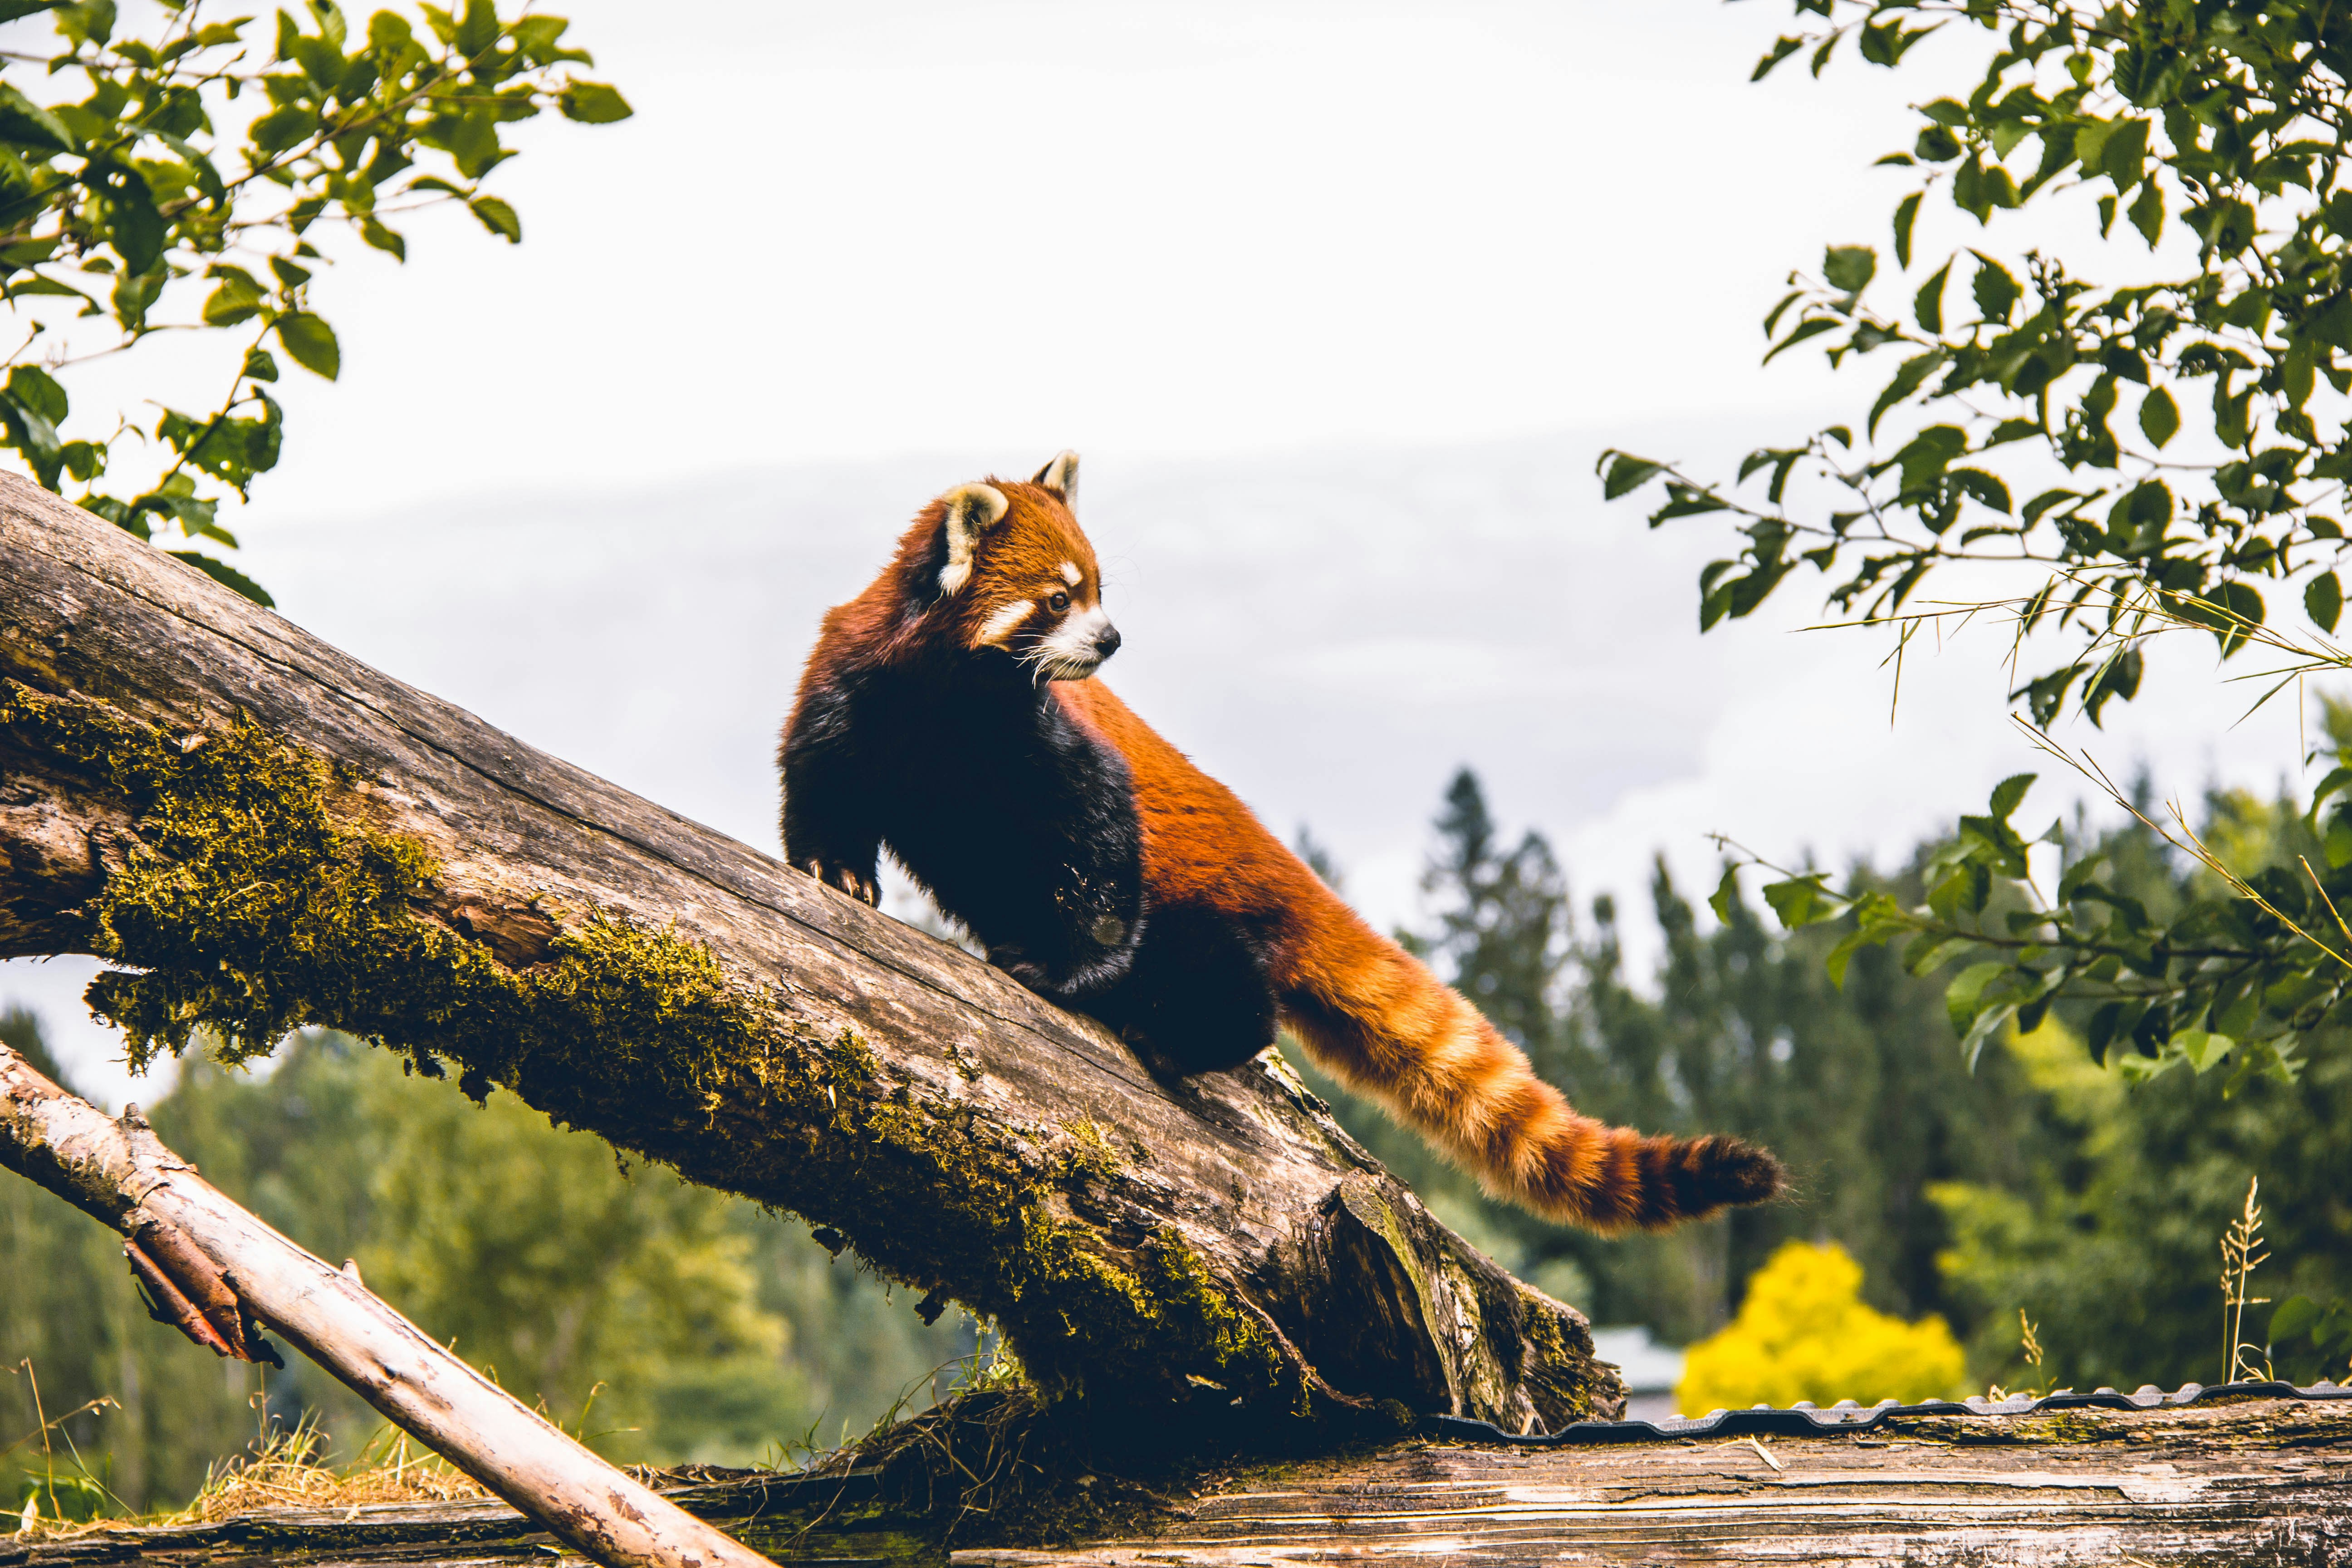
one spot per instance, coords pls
(848, 879)
(1016, 962)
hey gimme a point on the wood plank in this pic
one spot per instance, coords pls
(2268, 1482)
(2264, 1482)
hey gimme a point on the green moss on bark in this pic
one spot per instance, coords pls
(256, 899)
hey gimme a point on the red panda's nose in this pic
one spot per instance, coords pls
(1106, 642)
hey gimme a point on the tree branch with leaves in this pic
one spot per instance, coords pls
(2180, 443)
(202, 161)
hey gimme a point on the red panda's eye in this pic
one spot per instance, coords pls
(1058, 603)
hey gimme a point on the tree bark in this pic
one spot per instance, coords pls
(2261, 1484)
(196, 1249)
(261, 832)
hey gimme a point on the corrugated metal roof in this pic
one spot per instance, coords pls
(1805, 1420)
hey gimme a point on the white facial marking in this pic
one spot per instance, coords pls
(1070, 572)
(1068, 651)
(1005, 621)
(954, 575)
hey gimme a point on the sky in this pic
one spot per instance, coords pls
(1338, 301)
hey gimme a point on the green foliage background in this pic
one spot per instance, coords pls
(2095, 464)
(2040, 1180)
(704, 1329)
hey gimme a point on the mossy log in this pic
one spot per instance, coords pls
(260, 832)
(2258, 1485)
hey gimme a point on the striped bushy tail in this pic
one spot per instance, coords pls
(1388, 1029)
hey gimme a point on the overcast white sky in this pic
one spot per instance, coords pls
(1338, 300)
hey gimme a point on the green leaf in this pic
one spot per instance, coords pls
(1972, 1044)
(383, 240)
(1725, 897)
(1928, 306)
(389, 31)
(1903, 383)
(2336, 844)
(2121, 151)
(133, 224)
(311, 341)
(1850, 267)
(37, 390)
(228, 576)
(1996, 292)
(1931, 952)
(1627, 473)
(1842, 955)
(2204, 1049)
(1936, 145)
(1963, 999)
(1781, 49)
(281, 128)
(2226, 226)
(2008, 794)
(2235, 608)
(1906, 212)
(27, 124)
(2159, 417)
(1965, 892)
(1925, 456)
(1686, 502)
(498, 217)
(2146, 213)
(1811, 327)
(477, 30)
(228, 305)
(1802, 901)
(593, 103)
(32, 432)
(1981, 487)
(2323, 600)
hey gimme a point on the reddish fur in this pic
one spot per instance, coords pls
(1379, 1022)
(1023, 551)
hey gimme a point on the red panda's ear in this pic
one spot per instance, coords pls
(1061, 477)
(971, 510)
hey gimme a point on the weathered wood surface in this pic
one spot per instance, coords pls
(199, 1247)
(962, 1133)
(2266, 1483)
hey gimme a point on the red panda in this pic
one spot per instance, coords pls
(949, 712)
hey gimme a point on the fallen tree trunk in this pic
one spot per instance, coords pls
(263, 833)
(2261, 1484)
(228, 1274)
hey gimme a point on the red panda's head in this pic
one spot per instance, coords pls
(1013, 571)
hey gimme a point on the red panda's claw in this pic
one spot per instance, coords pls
(849, 880)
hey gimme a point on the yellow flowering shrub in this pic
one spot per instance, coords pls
(1804, 1333)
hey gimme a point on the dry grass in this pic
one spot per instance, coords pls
(287, 1471)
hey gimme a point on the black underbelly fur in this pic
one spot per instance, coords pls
(1023, 827)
